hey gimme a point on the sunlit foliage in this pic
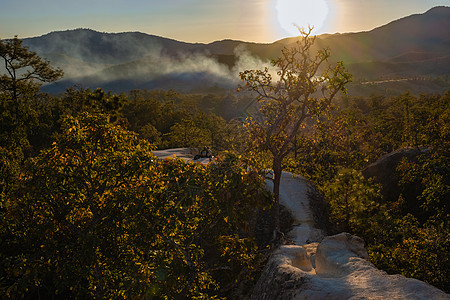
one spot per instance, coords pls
(97, 216)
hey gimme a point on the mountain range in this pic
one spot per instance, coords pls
(410, 53)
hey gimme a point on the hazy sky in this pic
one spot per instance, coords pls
(204, 20)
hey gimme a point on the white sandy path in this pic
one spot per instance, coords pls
(187, 154)
(184, 153)
(294, 196)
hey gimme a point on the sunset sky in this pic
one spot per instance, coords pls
(204, 20)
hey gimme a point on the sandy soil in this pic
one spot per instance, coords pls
(187, 154)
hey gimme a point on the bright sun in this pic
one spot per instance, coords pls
(301, 13)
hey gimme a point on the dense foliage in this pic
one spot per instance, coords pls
(97, 216)
(86, 211)
(176, 120)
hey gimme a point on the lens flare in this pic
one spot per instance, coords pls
(301, 13)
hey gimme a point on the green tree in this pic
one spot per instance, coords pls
(353, 200)
(23, 68)
(302, 90)
(151, 134)
(95, 101)
(20, 77)
(400, 245)
(143, 108)
(55, 236)
(187, 134)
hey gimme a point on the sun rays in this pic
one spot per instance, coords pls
(301, 13)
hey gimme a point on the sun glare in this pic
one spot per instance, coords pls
(301, 13)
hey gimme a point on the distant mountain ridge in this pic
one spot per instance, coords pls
(416, 45)
(93, 46)
(428, 32)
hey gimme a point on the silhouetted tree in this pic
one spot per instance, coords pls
(23, 68)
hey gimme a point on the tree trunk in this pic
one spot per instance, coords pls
(276, 193)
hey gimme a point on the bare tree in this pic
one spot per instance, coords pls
(303, 89)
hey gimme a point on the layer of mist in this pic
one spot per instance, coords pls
(157, 69)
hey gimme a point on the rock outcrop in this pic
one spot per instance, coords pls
(333, 267)
(336, 268)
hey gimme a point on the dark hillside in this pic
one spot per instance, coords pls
(112, 48)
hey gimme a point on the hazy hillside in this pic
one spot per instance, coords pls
(424, 33)
(109, 48)
(411, 47)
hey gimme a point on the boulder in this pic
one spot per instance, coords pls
(384, 172)
(334, 254)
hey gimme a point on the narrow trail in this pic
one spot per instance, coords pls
(294, 196)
